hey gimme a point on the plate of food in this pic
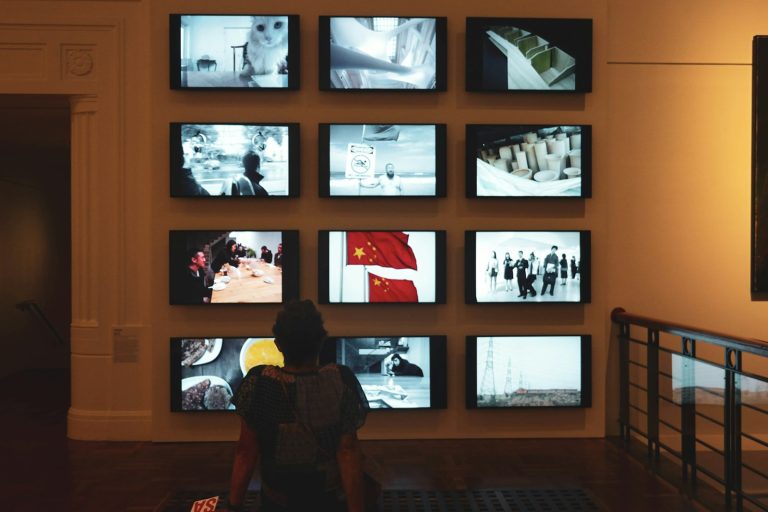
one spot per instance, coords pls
(257, 273)
(195, 351)
(269, 280)
(258, 351)
(225, 279)
(217, 287)
(206, 393)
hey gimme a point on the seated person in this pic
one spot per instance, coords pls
(228, 256)
(300, 423)
(191, 285)
(279, 256)
(402, 367)
(266, 254)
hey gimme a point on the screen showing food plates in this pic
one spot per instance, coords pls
(205, 372)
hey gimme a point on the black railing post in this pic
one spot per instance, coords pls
(688, 410)
(732, 429)
(624, 381)
(652, 348)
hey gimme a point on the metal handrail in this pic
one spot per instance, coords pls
(733, 347)
(34, 308)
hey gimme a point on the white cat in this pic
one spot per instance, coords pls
(266, 50)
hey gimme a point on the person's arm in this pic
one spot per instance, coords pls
(246, 456)
(349, 458)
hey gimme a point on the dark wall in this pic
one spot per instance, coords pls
(35, 228)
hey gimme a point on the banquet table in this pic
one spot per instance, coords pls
(245, 287)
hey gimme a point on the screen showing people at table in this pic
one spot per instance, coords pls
(394, 372)
(529, 54)
(234, 51)
(205, 371)
(242, 160)
(210, 267)
(381, 160)
(528, 161)
(385, 53)
(380, 266)
(527, 266)
(527, 371)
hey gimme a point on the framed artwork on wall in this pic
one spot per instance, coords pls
(375, 53)
(234, 51)
(759, 220)
(382, 160)
(529, 55)
(515, 160)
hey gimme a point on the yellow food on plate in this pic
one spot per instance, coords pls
(262, 351)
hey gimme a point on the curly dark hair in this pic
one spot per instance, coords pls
(299, 331)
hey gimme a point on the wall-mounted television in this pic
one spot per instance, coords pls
(234, 51)
(528, 371)
(382, 53)
(382, 160)
(233, 267)
(393, 267)
(206, 372)
(234, 160)
(527, 267)
(529, 54)
(516, 160)
(395, 372)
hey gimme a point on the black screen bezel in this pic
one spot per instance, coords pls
(290, 241)
(472, 131)
(471, 372)
(324, 55)
(324, 165)
(174, 57)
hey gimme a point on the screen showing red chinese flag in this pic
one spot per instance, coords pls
(395, 256)
(381, 289)
(381, 248)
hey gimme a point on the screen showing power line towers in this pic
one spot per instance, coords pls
(528, 371)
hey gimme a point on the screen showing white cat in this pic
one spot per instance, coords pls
(234, 51)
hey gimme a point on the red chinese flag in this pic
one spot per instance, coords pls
(382, 289)
(383, 248)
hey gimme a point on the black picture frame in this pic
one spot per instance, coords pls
(491, 174)
(183, 68)
(542, 55)
(521, 396)
(540, 241)
(180, 242)
(759, 210)
(438, 369)
(188, 177)
(399, 156)
(347, 55)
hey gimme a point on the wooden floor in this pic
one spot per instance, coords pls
(43, 470)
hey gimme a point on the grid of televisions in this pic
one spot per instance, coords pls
(256, 160)
(378, 267)
(365, 53)
(398, 372)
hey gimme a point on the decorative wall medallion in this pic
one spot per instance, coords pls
(78, 62)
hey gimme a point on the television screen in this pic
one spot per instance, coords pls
(205, 372)
(382, 160)
(527, 266)
(529, 54)
(529, 160)
(381, 267)
(382, 53)
(233, 267)
(226, 51)
(528, 371)
(396, 372)
(234, 160)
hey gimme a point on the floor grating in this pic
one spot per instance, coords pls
(479, 500)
